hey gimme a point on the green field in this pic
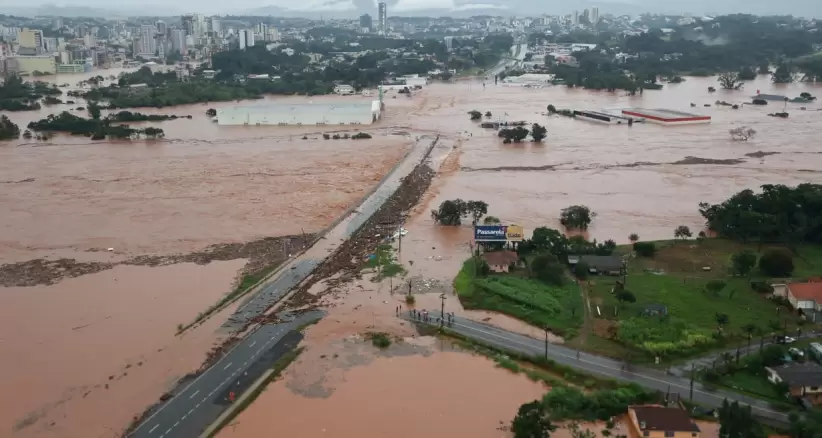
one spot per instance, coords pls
(676, 278)
(535, 302)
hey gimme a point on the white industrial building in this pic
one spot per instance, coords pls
(337, 113)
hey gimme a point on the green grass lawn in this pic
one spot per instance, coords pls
(752, 384)
(535, 302)
(675, 278)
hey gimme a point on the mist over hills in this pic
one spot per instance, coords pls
(430, 8)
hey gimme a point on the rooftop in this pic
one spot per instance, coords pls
(500, 258)
(811, 291)
(652, 418)
(800, 374)
(602, 262)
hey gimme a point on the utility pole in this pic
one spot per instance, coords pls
(546, 342)
(693, 373)
(442, 311)
(399, 250)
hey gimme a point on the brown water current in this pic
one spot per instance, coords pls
(206, 184)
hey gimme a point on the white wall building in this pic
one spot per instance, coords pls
(338, 113)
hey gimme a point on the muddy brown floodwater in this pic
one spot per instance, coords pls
(409, 390)
(206, 184)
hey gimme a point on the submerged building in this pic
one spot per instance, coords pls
(336, 113)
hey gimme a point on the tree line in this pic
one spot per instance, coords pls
(19, 95)
(94, 127)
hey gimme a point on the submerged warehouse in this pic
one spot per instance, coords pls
(336, 113)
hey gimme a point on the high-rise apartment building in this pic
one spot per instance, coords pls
(245, 38)
(31, 41)
(365, 22)
(594, 15)
(178, 40)
(214, 26)
(162, 27)
(146, 45)
(382, 18)
(261, 29)
(189, 25)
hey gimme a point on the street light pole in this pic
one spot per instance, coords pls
(442, 311)
(693, 373)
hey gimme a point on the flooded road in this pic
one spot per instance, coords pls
(419, 388)
(206, 184)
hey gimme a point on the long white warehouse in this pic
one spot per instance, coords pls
(340, 113)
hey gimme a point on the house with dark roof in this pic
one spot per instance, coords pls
(608, 265)
(501, 261)
(656, 421)
(804, 380)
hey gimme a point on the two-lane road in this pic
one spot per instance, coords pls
(603, 366)
(194, 408)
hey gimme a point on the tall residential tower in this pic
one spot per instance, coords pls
(382, 18)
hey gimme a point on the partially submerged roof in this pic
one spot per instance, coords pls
(660, 418)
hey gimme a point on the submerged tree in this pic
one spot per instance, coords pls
(538, 132)
(576, 217)
(730, 81)
(532, 421)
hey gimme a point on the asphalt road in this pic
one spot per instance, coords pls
(271, 293)
(602, 366)
(197, 405)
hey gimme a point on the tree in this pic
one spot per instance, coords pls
(764, 68)
(532, 421)
(8, 129)
(645, 249)
(538, 132)
(488, 114)
(491, 220)
(450, 212)
(634, 237)
(211, 112)
(746, 74)
(729, 81)
(477, 209)
(576, 217)
(737, 421)
(776, 263)
(722, 319)
(701, 236)
(624, 296)
(743, 262)
(547, 268)
(682, 232)
(783, 75)
(475, 115)
(715, 287)
(551, 109)
(153, 132)
(94, 110)
(549, 239)
(582, 270)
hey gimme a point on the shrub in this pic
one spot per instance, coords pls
(380, 340)
(761, 287)
(360, 135)
(326, 136)
(547, 268)
(645, 249)
(776, 263)
(409, 299)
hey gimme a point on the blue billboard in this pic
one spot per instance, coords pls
(490, 233)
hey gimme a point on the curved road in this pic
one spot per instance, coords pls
(195, 406)
(603, 366)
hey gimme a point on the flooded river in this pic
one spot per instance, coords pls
(206, 184)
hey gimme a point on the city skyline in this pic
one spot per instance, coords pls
(355, 8)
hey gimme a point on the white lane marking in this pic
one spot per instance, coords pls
(245, 363)
(229, 364)
(204, 399)
(192, 395)
(176, 424)
(168, 431)
(252, 344)
(147, 420)
(183, 417)
(197, 405)
(190, 412)
(155, 427)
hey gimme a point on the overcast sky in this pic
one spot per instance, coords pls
(514, 7)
